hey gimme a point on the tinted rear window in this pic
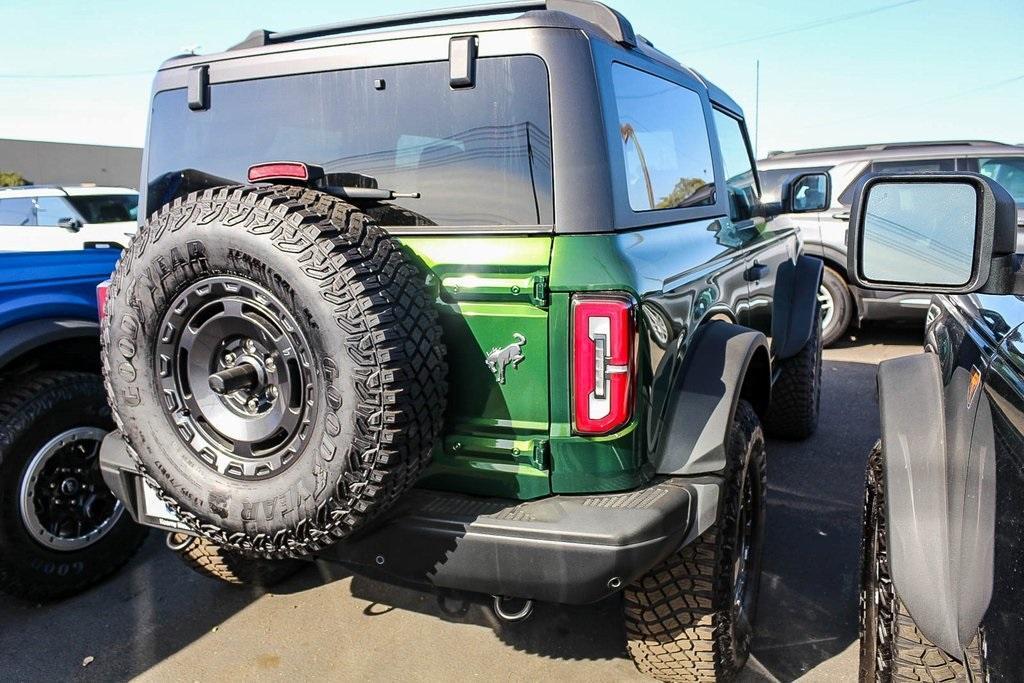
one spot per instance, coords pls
(477, 156)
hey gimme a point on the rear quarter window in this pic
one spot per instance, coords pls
(478, 156)
(665, 143)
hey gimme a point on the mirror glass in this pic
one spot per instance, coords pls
(919, 233)
(810, 193)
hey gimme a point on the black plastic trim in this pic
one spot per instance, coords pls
(796, 305)
(24, 337)
(940, 496)
(703, 404)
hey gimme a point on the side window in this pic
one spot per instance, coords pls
(914, 165)
(1008, 172)
(49, 210)
(17, 211)
(738, 166)
(665, 142)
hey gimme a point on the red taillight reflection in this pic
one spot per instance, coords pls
(101, 297)
(602, 363)
(278, 170)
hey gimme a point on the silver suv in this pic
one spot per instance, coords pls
(825, 232)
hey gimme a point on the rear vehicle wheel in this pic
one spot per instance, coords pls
(214, 562)
(298, 360)
(691, 618)
(796, 393)
(892, 648)
(836, 307)
(61, 529)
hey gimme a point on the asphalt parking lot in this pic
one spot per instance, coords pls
(158, 621)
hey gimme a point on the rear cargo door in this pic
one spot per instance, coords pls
(492, 297)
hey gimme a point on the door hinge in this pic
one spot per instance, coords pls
(541, 296)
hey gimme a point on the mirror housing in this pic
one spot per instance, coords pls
(806, 193)
(72, 224)
(990, 213)
(800, 193)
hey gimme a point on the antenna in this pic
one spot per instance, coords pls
(757, 104)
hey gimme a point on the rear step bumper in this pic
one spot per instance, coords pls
(567, 549)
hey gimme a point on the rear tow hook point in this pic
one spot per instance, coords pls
(512, 609)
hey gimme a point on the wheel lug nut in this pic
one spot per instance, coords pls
(250, 346)
(252, 404)
(272, 392)
(269, 364)
(229, 359)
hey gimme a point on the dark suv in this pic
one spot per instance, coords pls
(825, 231)
(942, 566)
(492, 306)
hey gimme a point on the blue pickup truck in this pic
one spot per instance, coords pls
(60, 527)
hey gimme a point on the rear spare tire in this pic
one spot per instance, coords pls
(275, 364)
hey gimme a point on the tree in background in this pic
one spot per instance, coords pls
(11, 179)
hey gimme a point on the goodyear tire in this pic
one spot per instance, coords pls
(61, 529)
(275, 364)
(796, 394)
(892, 647)
(691, 617)
(221, 564)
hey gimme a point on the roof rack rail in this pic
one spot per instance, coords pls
(881, 146)
(616, 26)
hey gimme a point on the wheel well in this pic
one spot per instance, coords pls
(757, 382)
(76, 353)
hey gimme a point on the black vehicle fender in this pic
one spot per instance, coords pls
(940, 495)
(724, 363)
(17, 340)
(795, 305)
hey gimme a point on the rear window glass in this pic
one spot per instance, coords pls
(665, 142)
(106, 208)
(477, 156)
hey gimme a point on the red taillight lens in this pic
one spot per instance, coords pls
(278, 170)
(602, 363)
(101, 297)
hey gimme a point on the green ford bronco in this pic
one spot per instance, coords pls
(490, 306)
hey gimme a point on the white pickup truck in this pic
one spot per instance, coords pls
(54, 218)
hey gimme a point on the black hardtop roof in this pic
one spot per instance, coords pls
(595, 19)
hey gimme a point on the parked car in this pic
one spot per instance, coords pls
(586, 362)
(61, 529)
(61, 218)
(942, 568)
(825, 232)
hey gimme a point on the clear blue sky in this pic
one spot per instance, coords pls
(831, 72)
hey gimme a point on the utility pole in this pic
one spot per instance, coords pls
(757, 104)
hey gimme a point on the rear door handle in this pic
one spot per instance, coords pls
(756, 272)
(842, 215)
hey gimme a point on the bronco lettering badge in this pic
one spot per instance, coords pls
(498, 359)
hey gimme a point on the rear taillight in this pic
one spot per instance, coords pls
(101, 297)
(602, 362)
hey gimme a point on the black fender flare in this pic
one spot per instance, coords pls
(19, 339)
(724, 362)
(940, 495)
(795, 304)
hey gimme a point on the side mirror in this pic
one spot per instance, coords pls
(72, 224)
(951, 233)
(806, 192)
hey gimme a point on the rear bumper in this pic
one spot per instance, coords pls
(567, 549)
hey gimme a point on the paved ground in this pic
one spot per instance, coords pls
(158, 621)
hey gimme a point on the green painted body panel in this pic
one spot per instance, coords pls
(488, 290)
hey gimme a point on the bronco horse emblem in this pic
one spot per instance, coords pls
(499, 359)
